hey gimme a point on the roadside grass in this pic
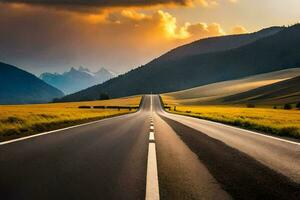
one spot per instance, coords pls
(23, 120)
(264, 119)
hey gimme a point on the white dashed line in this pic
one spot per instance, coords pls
(152, 188)
(151, 137)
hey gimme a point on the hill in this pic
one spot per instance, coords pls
(77, 79)
(216, 44)
(215, 92)
(271, 53)
(19, 87)
(287, 91)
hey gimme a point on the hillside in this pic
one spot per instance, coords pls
(76, 79)
(287, 91)
(20, 87)
(216, 44)
(275, 52)
(215, 92)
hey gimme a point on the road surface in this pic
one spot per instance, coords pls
(150, 154)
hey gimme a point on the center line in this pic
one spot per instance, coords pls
(151, 137)
(152, 188)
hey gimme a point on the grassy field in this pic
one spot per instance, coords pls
(265, 119)
(214, 93)
(22, 120)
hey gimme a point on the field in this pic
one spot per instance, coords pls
(214, 93)
(265, 119)
(22, 120)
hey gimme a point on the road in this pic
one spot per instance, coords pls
(184, 158)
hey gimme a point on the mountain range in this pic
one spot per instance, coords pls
(77, 79)
(19, 87)
(206, 61)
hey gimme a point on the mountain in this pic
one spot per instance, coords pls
(75, 80)
(229, 91)
(216, 44)
(215, 92)
(278, 51)
(19, 87)
(287, 91)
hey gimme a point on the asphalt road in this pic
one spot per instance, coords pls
(196, 159)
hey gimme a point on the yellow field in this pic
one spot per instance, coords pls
(269, 120)
(21, 120)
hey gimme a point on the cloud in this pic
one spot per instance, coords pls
(205, 30)
(101, 3)
(41, 39)
(239, 30)
(166, 24)
(98, 5)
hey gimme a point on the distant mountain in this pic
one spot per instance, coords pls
(20, 87)
(77, 79)
(277, 51)
(287, 91)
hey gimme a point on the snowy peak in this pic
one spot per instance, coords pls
(77, 79)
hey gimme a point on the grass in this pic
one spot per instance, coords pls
(23, 120)
(264, 119)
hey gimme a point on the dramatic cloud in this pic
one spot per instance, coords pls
(101, 3)
(96, 5)
(42, 39)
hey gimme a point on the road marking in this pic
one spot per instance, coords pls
(240, 129)
(152, 188)
(151, 137)
(62, 129)
(151, 127)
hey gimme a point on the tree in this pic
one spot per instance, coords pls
(104, 96)
(287, 106)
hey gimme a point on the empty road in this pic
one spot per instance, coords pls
(150, 154)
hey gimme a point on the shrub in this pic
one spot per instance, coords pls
(287, 106)
(298, 105)
(250, 106)
(84, 107)
(99, 107)
(274, 107)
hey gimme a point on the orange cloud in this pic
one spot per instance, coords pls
(117, 38)
(239, 30)
(165, 25)
(96, 6)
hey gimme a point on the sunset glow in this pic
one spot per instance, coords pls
(96, 34)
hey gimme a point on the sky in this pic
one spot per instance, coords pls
(55, 35)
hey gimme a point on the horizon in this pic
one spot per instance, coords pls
(120, 35)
